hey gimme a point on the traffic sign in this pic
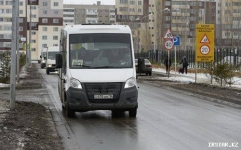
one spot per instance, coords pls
(168, 35)
(204, 49)
(205, 42)
(169, 44)
(205, 39)
(176, 40)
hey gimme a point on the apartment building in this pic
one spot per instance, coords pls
(181, 20)
(6, 23)
(47, 21)
(149, 20)
(82, 14)
(68, 16)
(228, 27)
(133, 13)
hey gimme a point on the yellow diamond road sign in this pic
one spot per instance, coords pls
(204, 42)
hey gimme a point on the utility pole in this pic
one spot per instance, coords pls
(13, 55)
(30, 33)
(17, 36)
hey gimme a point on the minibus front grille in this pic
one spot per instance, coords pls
(97, 92)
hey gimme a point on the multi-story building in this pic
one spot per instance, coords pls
(6, 23)
(82, 14)
(133, 13)
(181, 20)
(47, 21)
(68, 16)
(228, 27)
(151, 20)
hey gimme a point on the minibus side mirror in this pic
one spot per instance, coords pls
(40, 56)
(58, 60)
(45, 58)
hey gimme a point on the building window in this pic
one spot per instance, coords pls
(132, 9)
(139, 2)
(45, 3)
(44, 37)
(56, 4)
(44, 45)
(33, 49)
(44, 20)
(9, 2)
(20, 20)
(55, 20)
(20, 3)
(8, 11)
(45, 29)
(20, 11)
(45, 12)
(139, 10)
(56, 29)
(33, 33)
(33, 41)
(33, 16)
(123, 1)
(123, 9)
(56, 12)
(132, 2)
(20, 28)
(55, 45)
(33, 7)
(55, 37)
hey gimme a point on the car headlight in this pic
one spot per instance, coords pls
(74, 83)
(130, 83)
(49, 65)
(43, 61)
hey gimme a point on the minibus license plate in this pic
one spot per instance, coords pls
(106, 96)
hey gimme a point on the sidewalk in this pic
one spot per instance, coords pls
(30, 125)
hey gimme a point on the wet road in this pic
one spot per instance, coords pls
(166, 120)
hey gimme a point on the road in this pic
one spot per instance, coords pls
(166, 120)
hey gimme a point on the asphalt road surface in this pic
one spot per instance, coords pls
(166, 120)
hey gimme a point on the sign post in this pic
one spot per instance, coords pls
(169, 46)
(204, 43)
(176, 41)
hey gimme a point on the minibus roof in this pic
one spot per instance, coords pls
(86, 28)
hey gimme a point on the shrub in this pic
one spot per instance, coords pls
(5, 66)
(224, 72)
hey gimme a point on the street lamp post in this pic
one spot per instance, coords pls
(140, 28)
(166, 9)
(155, 34)
(30, 33)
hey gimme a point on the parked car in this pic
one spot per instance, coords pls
(148, 67)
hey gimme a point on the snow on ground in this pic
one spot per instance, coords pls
(4, 85)
(190, 77)
(23, 73)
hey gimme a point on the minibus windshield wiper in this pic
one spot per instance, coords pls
(104, 67)
(83, 66)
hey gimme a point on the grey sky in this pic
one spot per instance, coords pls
(90, 2)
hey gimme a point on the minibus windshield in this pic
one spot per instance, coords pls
(100, 50)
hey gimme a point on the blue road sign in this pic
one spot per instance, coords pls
(176, 40)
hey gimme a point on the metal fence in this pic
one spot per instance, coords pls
(221, 56)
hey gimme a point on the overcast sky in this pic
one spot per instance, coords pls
(90, 2)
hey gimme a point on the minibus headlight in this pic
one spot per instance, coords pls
(74, 83)
(131, 82)
(49, 65)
